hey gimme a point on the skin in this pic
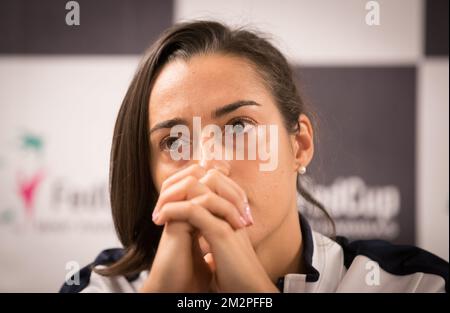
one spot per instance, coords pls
(202, 203)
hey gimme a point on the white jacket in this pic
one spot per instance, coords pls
(331, 266)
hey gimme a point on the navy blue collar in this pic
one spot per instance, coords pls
(312, 274)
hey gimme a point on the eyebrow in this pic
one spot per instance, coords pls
(168, 124)
(226, 109)
(232, 107)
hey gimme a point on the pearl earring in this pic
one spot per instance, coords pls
(302, 170)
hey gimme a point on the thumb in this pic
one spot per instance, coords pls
(209, 259)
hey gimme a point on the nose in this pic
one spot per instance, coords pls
(209, 160)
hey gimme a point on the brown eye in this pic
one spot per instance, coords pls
(172, 143)
(240, 126)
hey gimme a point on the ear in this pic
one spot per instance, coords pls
(303, 142)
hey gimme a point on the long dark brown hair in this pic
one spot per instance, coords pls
(132, 191)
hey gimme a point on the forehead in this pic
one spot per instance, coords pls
(204, 82)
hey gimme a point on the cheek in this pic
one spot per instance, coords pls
(162, 167)
(271, 202)
(265, 185)
(160, 172)
(271, 193)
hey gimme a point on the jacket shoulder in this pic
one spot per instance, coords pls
(87, 279)
(399, 260)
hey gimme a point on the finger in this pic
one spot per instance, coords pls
(222, 208)
(213, 203)
(187, 188)
(205, 269)
(228, 189)
(192, 170)
(211, 227)
(220, 165)
(209, 259)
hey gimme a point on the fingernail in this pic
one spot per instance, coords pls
(248, 215)
(223, 169)
(155, 215)
(243, 221)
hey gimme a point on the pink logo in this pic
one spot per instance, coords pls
(27, 190)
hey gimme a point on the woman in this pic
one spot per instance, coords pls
(219, 224)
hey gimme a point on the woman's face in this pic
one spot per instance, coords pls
(200, 87)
